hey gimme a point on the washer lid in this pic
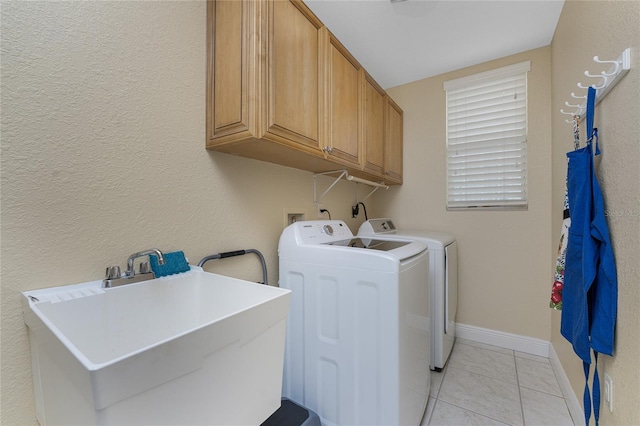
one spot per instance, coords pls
(371, 244)
(399, 249)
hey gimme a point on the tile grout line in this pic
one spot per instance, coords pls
(515, 362)
(464, 367)
(560, 388)
(437, 396)
(555, 377)
(472, 411)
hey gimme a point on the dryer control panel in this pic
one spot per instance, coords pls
(377, 226)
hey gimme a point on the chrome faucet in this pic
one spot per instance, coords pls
(130, 272)
(114, 279)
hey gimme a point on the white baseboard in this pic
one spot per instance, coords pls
(525, 344)
(575, 409)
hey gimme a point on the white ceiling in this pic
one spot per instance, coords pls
(402, 42)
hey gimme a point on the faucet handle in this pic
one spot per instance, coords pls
(112, 272)
(145, 268)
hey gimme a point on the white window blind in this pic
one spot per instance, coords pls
(487, 139)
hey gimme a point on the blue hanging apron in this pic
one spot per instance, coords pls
(590, 291)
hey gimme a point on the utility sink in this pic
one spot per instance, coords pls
(190, 348)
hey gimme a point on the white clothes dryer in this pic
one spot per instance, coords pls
(443, 279)
(357, 346)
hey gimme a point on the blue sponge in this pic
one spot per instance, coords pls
(174, 263)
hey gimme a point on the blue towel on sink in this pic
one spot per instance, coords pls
(174, 263)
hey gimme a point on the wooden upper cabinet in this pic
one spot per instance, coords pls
(342, 112)
(373, 126)
(281, 88)
(264, 74)
(393, 142)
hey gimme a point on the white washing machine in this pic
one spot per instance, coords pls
(357, 346)
(443, 263)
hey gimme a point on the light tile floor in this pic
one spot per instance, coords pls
(488, 385)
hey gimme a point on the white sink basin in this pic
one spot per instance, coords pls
(192, 348)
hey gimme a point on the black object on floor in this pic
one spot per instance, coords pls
(291, 414)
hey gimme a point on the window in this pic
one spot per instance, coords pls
(487, 139)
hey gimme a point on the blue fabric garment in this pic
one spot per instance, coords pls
(574, 324)
(590, 293)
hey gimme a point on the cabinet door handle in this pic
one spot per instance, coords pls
(327, 149)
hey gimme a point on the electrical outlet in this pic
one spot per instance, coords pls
(319, 213)
(608, 391)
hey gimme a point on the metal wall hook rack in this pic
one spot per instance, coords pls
(342, 174)
(619, 68)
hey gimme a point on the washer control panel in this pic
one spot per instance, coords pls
(322, 231)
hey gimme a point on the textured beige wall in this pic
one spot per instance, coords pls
(102, 155)
(504, 275)
(103, 133)
(585, 29)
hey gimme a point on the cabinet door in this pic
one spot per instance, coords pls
(342, 103)
(227, 71)
(373, 126)
(393, 142)
(294, 86)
